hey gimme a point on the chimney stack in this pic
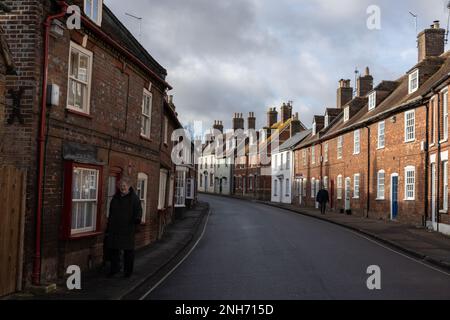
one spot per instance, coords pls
(251, 121)
(364, 84)
(286, 112)
(238, 122)
(431, 42)
(296, 125)
(344, 93)
(218, 125)
(272, 117)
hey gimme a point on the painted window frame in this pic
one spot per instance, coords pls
(346, 114)
(381, 135)
(325, 152)
(413, 81)
(86, 108)
(381, 185)
(142, 178)
(89, 13)
(147, 97)
(356, 186)
(340, 143)
(339, 187)
(357, 142)
(410, 136)
(372, 100)
(408, 197)
(444, 186)
(445, 115)
(67, 231)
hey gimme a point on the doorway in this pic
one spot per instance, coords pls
(394, 196)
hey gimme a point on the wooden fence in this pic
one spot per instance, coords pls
(12, 219)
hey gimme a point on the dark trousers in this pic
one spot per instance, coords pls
(323, 207)
(128, 261)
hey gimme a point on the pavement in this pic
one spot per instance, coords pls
(151, 264)
(252, 251)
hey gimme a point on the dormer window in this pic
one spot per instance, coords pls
(327, 120)
(346, 114)
(93, 10)
(413, 81)
(372, 100)
(314, 129)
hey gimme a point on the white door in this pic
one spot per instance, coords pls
(347, 193)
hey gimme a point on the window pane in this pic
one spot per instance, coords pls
(88, 8)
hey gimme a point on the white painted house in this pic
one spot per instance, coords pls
(283, 169)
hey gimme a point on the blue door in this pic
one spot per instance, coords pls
(394, 200)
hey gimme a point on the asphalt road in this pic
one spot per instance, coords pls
(254, 252)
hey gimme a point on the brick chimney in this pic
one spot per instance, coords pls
(431, 42)
(344, 93)
(272, 117)
(218, 125)
(364, 84)
(286, 112)
(296, 125)
(238, 122)
(251, 121)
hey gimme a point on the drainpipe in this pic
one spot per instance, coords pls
(438, 164)
(368, 172)
(41, 146)
(426, 163)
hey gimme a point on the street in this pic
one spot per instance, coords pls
(254, 252)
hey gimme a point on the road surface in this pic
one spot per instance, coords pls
(250, 251)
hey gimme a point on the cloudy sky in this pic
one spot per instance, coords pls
(232, 56)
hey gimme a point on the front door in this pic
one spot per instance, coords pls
(394, 196)
(347, 194)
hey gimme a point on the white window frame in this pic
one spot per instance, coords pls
(142, 178)
(445, 115)
(288, 161)
(357, 142)
(413, 81)
(163, 176)
(146, 97)
(288, 188)
(339, 187)
(445, 186)
(166, 130)
(346, 114)
(410, 136)
(356, 185)
(313, 188)
(381, 140)
(340, 142)
(313, 154)
(99, 19)
(314, 129)
(305, 158)
(372, 100)
(325, 152)
(325, 183)
(408, 170)
(93, 226)
(180, 189)
(80, 50)
(381, 185)
(327, 120)
(190, 189)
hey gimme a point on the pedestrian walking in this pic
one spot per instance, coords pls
(125, 214)
(323, 198)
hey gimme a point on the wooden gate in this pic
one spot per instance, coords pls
(12, 219)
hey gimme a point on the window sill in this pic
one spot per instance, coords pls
(381, 148)
(409, 199)
(410, 141)
(443, 141)
(84, 235)
(443, 211)
(78, 113)
(380, 199)
(146, 138)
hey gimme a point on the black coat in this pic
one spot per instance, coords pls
(323, 196)
(125, 214)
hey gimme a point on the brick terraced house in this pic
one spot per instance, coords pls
(383, 153)
(93, 107)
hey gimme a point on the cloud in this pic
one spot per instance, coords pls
(238, 56)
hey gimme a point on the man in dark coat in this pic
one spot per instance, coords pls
(125, 214)
(323, 198)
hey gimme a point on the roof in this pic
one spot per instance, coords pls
(114, 28)
(296, 139)
(398, 99)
